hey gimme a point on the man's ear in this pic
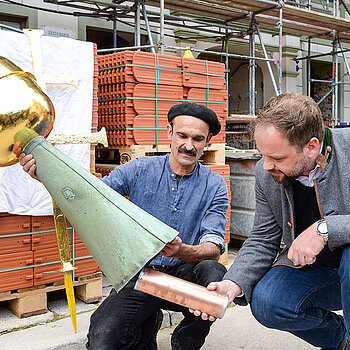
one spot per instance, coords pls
(169, 130)
(312, 148)
(208, 139)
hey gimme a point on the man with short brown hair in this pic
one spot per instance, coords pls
(303, 199)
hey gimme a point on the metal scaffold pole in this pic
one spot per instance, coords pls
(252, 66)
(137, 48)
(267, 62)
(137, 34)
(115, 43)
(280, 28)
(335, 80)
(144, 13)
(161, 25)
(309, 66)
(227, 68)
(344, 57)
(335, 7)
(11, 28)
(232, 55)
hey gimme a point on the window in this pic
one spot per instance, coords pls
(13, 22)
(104, 38)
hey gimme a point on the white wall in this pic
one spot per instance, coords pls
(59, 25)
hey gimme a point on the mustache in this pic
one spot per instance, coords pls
(191, 152)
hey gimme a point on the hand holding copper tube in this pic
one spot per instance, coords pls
(182, 292)
(228, 287)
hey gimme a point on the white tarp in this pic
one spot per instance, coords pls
(19, 193)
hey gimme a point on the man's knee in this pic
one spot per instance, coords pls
(102, 337)
(209, 271)
(264, 306)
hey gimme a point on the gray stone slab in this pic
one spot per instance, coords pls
(9, 321)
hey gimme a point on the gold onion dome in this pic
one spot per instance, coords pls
(24, 109)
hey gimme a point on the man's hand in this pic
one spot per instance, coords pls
(306, 247)
(191, 254)
(172, 248)
(228, 287)
(28, 164)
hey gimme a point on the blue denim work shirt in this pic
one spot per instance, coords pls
(196, 207)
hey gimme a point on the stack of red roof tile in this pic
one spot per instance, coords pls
(224, 171)
(136, 90)
(28, 247)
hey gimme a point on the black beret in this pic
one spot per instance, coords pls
(196, 110)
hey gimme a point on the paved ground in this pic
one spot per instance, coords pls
(51, 331)
(237, 330)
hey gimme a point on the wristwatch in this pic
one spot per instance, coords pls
(322, 229)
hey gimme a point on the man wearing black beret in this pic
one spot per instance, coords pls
(198, 111)
(180, 191)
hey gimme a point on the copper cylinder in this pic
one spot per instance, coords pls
(182, 292)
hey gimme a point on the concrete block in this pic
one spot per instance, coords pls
(90, 292)
(29, 305)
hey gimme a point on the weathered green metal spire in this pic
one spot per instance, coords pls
(120, 236)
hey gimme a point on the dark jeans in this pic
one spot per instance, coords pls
(302, 301)
(130, 319)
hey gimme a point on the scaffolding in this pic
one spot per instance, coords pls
(225, 20)
(334, 82)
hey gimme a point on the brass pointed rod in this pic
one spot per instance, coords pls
(65, 256)
(60, 219)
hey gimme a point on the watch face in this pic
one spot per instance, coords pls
(322, 227)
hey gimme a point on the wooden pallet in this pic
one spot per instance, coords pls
(33, 301)
(213, 154)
